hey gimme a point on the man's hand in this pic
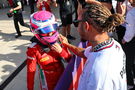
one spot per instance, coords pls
(76, 50)
(11, 10)
(63, 39)
(56, 47)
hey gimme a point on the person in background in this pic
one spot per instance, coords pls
(75, 3)
(121, 9)
(66, 17)
(128, 42)
(45, 51)
(31, 4)
(101, 72)
(22, 3)
(128, 5)
(10, 3)
(25, 2)
(16, 9)
(44, 5)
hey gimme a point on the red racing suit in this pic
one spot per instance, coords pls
(50, 67)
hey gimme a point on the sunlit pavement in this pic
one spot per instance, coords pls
(13, 51)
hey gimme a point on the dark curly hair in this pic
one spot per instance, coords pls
(101, 18)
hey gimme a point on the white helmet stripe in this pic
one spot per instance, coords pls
(42, 24)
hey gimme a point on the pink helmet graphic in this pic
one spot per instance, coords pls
(42, 24)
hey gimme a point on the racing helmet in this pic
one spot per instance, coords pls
(43, 24)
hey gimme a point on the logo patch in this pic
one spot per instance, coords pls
(44, 59)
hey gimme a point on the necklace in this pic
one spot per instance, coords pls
(103, 45)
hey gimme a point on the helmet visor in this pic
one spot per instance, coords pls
(46, 29)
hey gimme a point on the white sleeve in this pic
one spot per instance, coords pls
(130, 28)
(87, 50)
(19, 3)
